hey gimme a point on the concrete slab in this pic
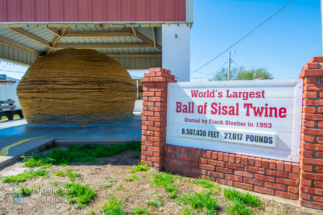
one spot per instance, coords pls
(20, 129)
(12, 149)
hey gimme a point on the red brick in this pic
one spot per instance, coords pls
(264, 190)
(214, 155)
(208, 154)
(309, 95)
(148, 85)
(310, 124)
(307, 109)
(187, 163)
(199, 171)
(319, 169)
(305, 196)
(199, 160)
(161, 84)
(251, 161)
(149, 163)
(253, 181)
(203, 153)
(243, 186)
(275, 186)
(306, 153)
(184, 168)
(258, 162)
(293, 176)
(148, 153)
(311, 204)
(312, 131)
(319, 139)
(312, 161)
(310, 80)
(216, 174)
(154, 159)
(312, 116)
(243, 173)
(320, 125)
(255, 169)
(235, 166)
(226, 157)
(306, 182)
(317, 184)
(280, 165)
(184, 157)
(225, 182)
(244, 160)
(293, 189)
(272, 164)
(231, 158)
(286, 195)
(313, 176)
(207, 167)
(277, 173)
(296, 168)
(264, 178)
(217, 163)
(312, 190)
(288, 167)
(313, 87)
(191, 174)
(176, 161)
(307, 168)
(238, 158)
(309, 139)
(318, 198)
(220, 156)
(233, 177)
(225, 170)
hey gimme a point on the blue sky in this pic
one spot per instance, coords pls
(283, 45)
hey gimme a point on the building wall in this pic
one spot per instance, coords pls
(9, 92)
(176, 51)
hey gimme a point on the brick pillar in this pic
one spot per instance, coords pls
(154, 116)
(311, 159)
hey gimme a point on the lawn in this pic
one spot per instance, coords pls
(109, 180)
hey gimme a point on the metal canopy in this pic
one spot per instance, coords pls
(134, 47)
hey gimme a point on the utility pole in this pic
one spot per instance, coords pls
(230, 63)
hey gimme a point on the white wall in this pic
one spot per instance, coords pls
(176, 51)
(138, 106)
(9, 92)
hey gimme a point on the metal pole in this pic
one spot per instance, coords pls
(322, 23)
(230, 64)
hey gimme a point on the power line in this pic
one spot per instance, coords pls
(213, 72)
(243, 37)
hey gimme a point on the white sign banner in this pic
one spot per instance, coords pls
(259, 118)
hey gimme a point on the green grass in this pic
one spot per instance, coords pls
(140, 211)
(133, 177)
(119, 187)
(54, 183)
(77, 193)
(245, 198)
(91, 212)
(24, 191)
(59, 173)
(204, 183)
(80, 154)
(24, 176)
(165, 180)
(106, 186)
(139, 168)
(204, 201)
(154, 203)
(114, 207)
(72, 175)
(240, 201)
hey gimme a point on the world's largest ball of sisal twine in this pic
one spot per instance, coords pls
(76, 87)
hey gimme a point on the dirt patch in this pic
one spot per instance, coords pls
(113, 171)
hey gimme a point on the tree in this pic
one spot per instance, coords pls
(241, 74)
(260, 73)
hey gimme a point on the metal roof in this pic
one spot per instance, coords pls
(25, 44)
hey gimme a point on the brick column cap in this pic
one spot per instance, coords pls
(158, 75)
(312, 68)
